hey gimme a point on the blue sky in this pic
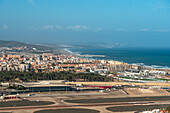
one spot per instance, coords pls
(111, 22)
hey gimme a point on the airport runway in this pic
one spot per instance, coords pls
(127, 99)
(130, 103)
(24, 103)
(138, 108)
(83, 105)
(72, 110)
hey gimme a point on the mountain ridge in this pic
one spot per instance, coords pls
(10, 44)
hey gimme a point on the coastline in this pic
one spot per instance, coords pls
(66, 50)
(105, 57)
(91, 55)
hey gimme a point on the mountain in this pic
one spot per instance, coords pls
(21, 44)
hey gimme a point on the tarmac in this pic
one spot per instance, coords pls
(75, 110)
(101, 101)
(138, 108)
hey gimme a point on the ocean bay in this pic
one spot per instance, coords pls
(154, 57)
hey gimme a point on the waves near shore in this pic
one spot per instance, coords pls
(153, 58)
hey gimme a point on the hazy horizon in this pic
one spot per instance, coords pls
(116, 23)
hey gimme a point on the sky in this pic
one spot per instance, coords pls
(129, 23)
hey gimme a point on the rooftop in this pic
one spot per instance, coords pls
(44, 83)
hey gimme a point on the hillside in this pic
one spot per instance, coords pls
(19, 44)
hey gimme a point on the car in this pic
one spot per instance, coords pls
(30, 94)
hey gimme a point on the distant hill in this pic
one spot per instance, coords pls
(11, 44)
(19, 44)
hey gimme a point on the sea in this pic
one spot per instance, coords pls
(149, 57)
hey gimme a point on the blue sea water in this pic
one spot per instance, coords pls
(154, 57)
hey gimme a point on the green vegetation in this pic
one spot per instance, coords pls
(126, 77)
(168, 109)
(17, 87)
(163, 79)
(156, 79)
(12, 76)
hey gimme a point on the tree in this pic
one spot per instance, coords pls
(29, 67)
(168, 109)
(88, 70)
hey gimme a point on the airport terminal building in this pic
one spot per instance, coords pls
(46, 86)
